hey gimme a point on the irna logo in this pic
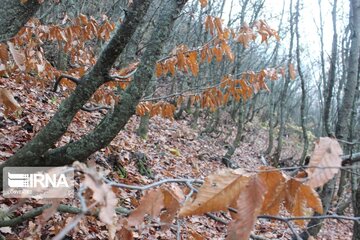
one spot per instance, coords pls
(19, 180)
(38, 182)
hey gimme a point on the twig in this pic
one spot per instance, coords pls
(333, 216)
(115, 77)
(71, 78)
(155, 184)
(178, 230)
(61, 208)
(257, 237)
(347, 142)
(292, 229)
(75, 220)
(220, 220)
(68, 227)
(93, 109)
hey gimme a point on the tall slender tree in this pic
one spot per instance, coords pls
(303, 89)
(284, 92)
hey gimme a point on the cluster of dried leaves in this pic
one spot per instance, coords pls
(185, 59)
(246, 194)
(25, 54)
(28, 55)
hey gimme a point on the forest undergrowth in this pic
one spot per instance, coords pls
(173, 149)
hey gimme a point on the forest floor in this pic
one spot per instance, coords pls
(173, 150)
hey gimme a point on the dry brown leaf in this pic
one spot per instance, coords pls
(299, 210)
(306, 198)
(194, 235)
(299, 197)
(217, 193)
(172, 198)
(226, 48)
(19, 56)
(192, 63)
(124, 234)
(10, 104)
(324, 162)
(292, 187)
(151, 203)
(209, 25)
(311, 197)
(107, 211)
(275, 182)
(248, 208)
(203, 3)
(102, 194)
(292, 71)
(4, 56)
(218, 25)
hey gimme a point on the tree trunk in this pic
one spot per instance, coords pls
(356, 206)
(350, 86)
(14, 15)
(331, 81)
(31, 153)
(35, 152)
(143, 128)
(114, 121)
(283, 95)
(196, 115)
(348, 98)
(303, 90)
(327, 192)
(226, 159)
(271, 101)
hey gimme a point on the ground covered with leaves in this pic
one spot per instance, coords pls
(172, 150)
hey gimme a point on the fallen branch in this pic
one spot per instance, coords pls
(93, 109)
(61, 208)
(71, 78)
(350, 159)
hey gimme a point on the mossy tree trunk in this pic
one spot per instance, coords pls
(226, 159)
(303, 116)
(38, 153)
(14, 14)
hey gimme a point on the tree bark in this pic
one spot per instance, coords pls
(31, 154)
(226, 159)
(303, 90)
(331, 81)
(350, 86)
(284, 94)
(14, 15)
(272, 100)
(327, 192)
(114, 121)
(341, 130)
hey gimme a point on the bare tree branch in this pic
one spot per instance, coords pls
(71, 78)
